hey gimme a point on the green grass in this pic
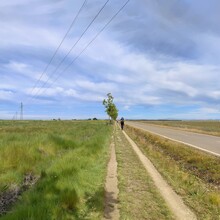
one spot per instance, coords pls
(203, 126)
(138, 196)
(193, 174)
(69, 157)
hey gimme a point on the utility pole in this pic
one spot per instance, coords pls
(21, 116)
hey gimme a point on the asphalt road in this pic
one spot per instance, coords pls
(208, 143)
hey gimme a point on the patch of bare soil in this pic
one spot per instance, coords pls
(111, 188)
(11, 195)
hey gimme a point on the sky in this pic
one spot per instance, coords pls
(160, 59)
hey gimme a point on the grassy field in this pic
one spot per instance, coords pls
(139, 199)
(206, 127)
(69, 160)
(194, 175)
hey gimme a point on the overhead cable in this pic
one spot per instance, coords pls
(54, 54)
(73, 46)
(104, 27)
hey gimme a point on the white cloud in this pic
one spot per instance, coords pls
(24, 69)
(143, 77)
(45, 92)
(71, 93)
(6, 95)
(172, 64)
(126, 107)
(29, 36)
(209, 110)
(96, 87)
(84, 96)
(198, 113)
(13, 3)
(16, 66)
(215, 94)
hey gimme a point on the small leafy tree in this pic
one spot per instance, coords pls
(110, 107)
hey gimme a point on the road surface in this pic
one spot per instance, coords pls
(208, 143)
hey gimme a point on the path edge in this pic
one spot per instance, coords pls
(174, 201)
(111, 208)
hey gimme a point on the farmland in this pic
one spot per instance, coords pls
(58, 170)
(64, 158)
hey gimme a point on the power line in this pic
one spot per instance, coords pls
(14, 116)
(21, 113)
(73, 46)
(67, 32)
(68, 66)
(17, 113)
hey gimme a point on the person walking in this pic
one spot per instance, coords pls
(122, 121)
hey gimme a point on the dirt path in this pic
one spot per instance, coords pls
(138, 196)
(111, 188)
(179, 209)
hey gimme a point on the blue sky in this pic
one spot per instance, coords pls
(158, 58)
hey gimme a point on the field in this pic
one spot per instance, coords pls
(205, 127)
(57, 170)
(64, 160)
(194, 175)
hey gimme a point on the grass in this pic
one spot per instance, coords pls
(69, 157)
(194, 175)
(138, 197)
(211, 127)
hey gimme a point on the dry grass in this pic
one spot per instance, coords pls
(138, 196)
(193, 174)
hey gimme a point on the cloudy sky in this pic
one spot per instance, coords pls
(158, 58)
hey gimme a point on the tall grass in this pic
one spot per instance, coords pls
(70, 158)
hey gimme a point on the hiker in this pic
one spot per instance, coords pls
(122, 123)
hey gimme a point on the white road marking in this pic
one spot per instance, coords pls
(191, 145)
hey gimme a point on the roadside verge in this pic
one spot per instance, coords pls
(138, 196)
(192, 174)
(179, 209)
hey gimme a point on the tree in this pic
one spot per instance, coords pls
(110, 107)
